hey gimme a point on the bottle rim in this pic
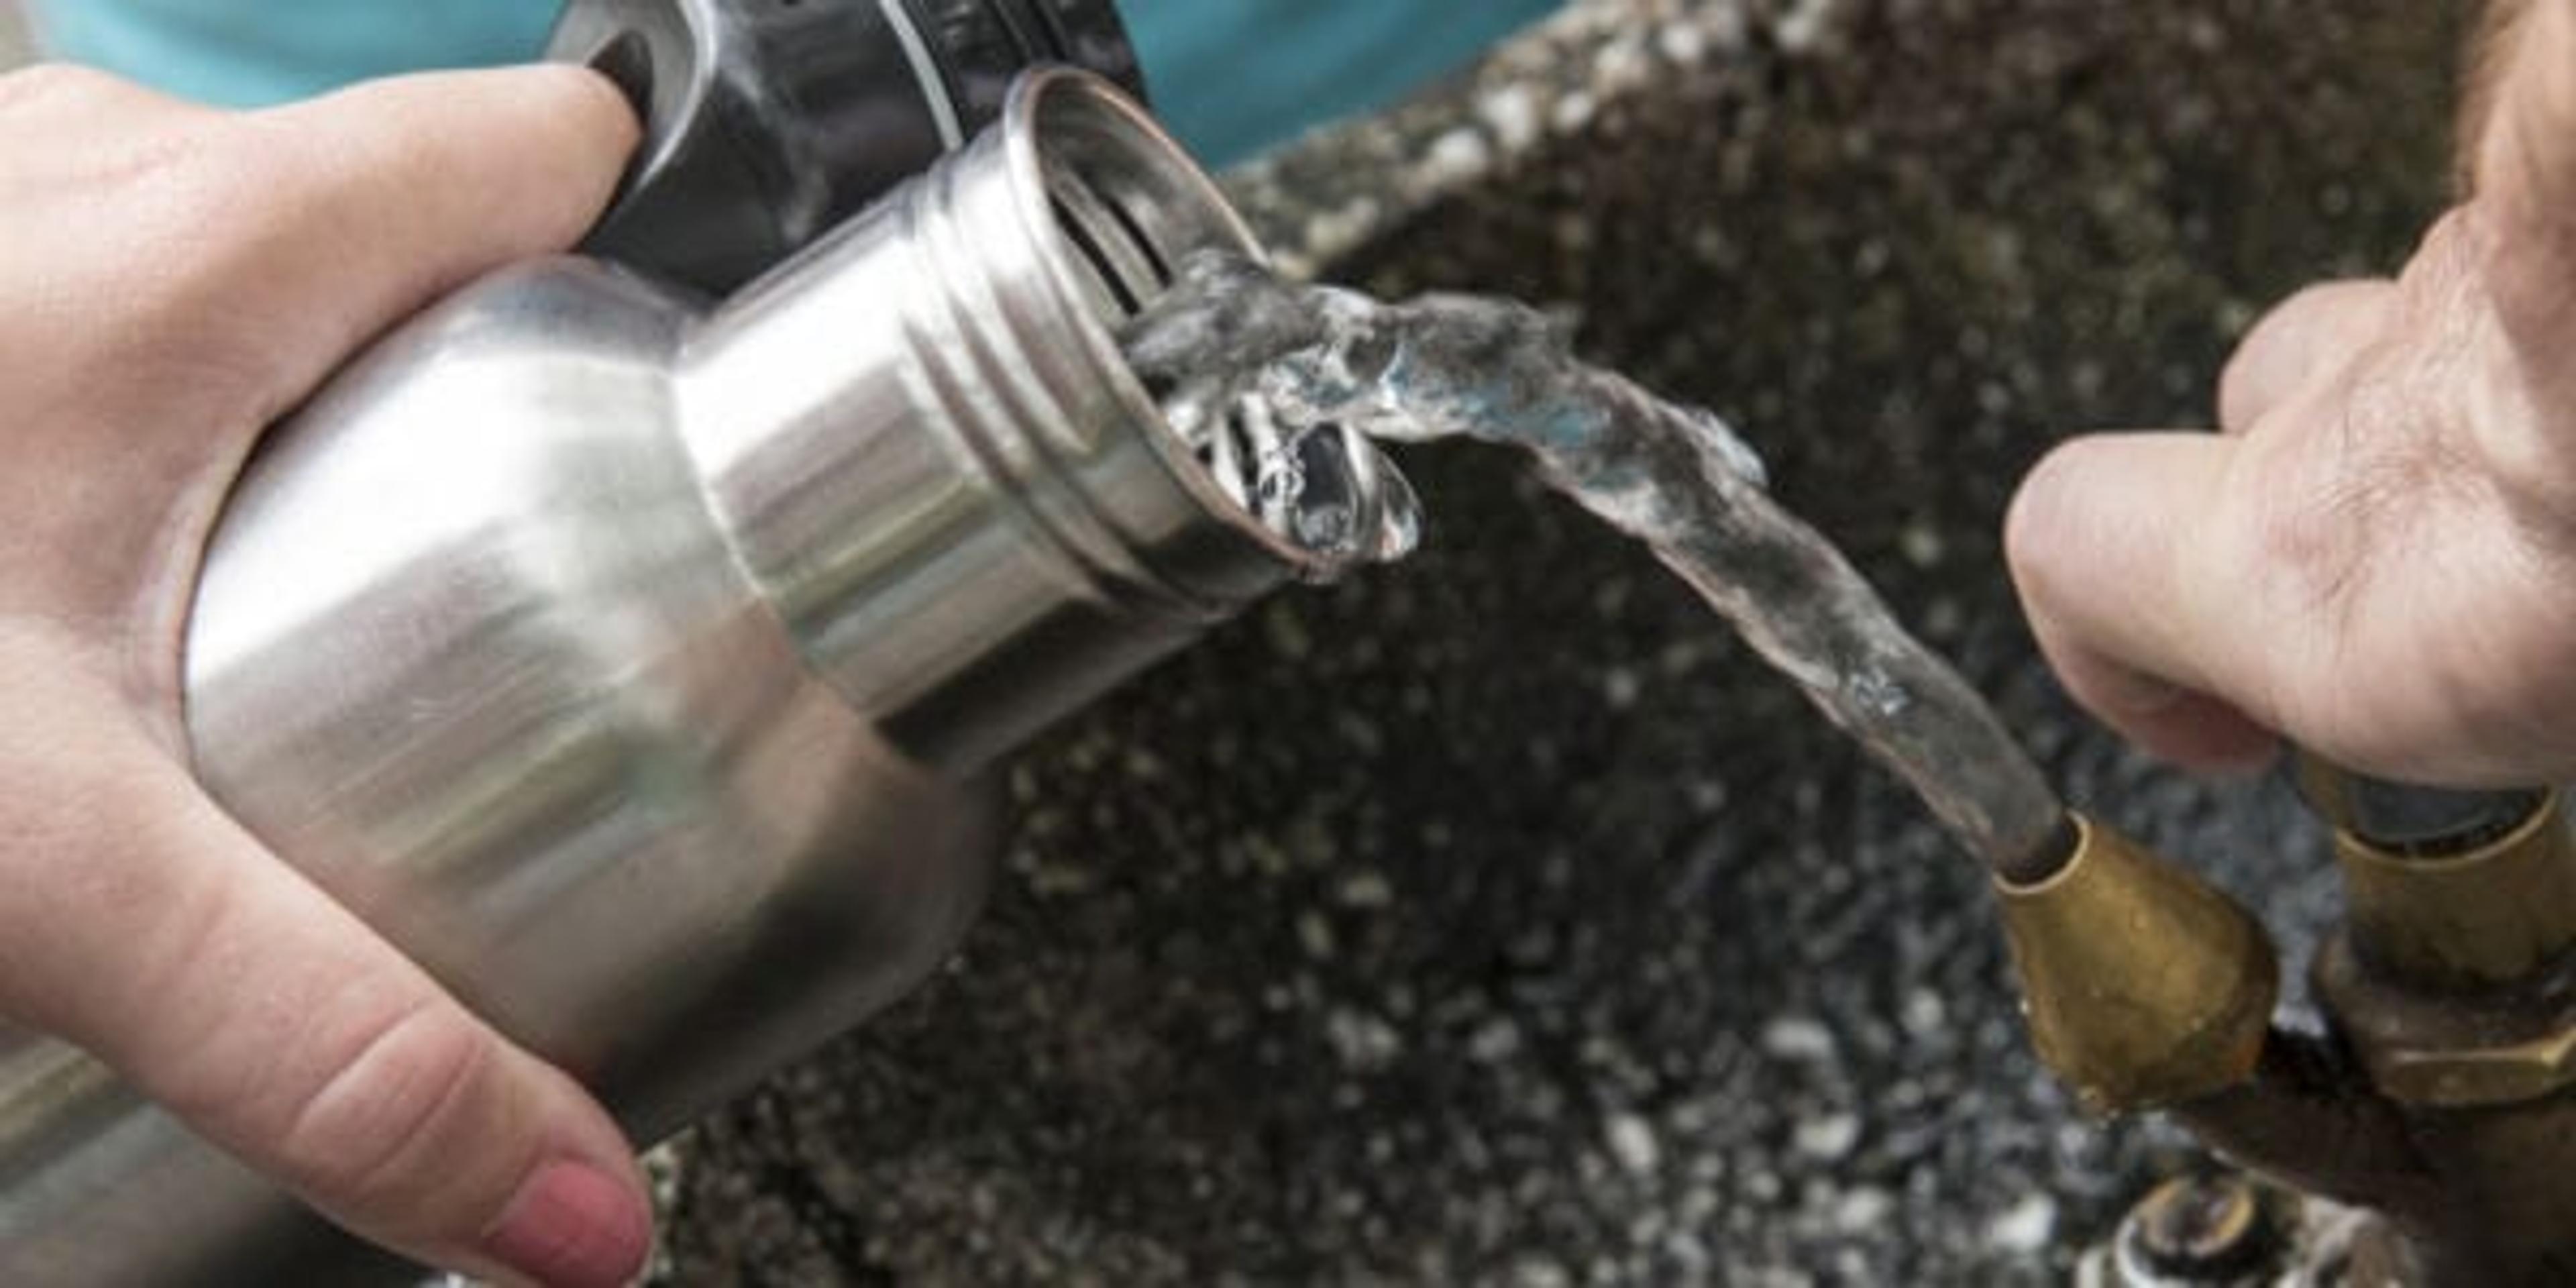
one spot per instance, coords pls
(1033, 119)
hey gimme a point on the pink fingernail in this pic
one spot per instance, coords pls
(572, 1225)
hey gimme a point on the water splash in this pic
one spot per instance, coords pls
(1231, 344)
(1327, 488)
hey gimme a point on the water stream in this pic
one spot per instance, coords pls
(1288, 390)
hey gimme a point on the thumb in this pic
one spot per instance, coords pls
(399, 190)
(2099, 539)
(175, 279)
(150, 929)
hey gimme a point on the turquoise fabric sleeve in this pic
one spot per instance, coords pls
(1231, 76)
(248, 53)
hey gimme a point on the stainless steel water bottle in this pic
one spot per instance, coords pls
(630, 664)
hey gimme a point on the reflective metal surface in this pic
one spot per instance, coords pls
(627, 667)
(772, 123)
(1005, 557)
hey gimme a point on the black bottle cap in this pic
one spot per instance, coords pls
(769, 122)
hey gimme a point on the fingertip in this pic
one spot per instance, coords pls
(583, 132)
(278, 1026)
(537, 149)
(352, 210)
(2051, 514)
(576, 1212)
(574, 1224)
(513, 1174)
(2096, 541)
(2034, 511)
(2045, 508)
(597, 117)
(592, 92)
(2105, 541)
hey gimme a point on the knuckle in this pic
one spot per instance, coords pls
(49, 87)
(80, 130)
(2243, 389)
(2317, 299)
(401, 1104)
(2301, 341)
(2311, 527)
(173, 220)
(141, 189)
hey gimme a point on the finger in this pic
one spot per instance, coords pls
(253, 254)
(266, 246)
(399, 190)
(170, 944)
(2169, 722)
(2306, 338)
(2098, 540)
(2524, 172)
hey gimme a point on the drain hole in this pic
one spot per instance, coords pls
(1143, 242)
(1120, 296)
(1117, 253)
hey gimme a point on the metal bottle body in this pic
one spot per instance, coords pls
(628, 664)
(472, 648)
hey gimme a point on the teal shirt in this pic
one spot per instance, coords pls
(1230, 76)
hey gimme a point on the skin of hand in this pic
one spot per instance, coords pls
(172, 280)
(2377, 557)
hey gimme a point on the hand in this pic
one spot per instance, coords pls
(2378, 557)
(172, 279)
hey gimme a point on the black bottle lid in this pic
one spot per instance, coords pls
(768, 122)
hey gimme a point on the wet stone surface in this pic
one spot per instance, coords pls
(1498, 918)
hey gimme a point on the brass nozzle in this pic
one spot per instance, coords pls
(2143, 985)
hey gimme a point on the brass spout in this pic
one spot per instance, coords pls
(2144, 985)
(2443, 1095)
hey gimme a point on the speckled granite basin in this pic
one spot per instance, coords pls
(1497, 918)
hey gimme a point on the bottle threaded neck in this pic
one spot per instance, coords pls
(928, 448)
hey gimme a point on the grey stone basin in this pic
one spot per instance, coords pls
(1497, 918)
